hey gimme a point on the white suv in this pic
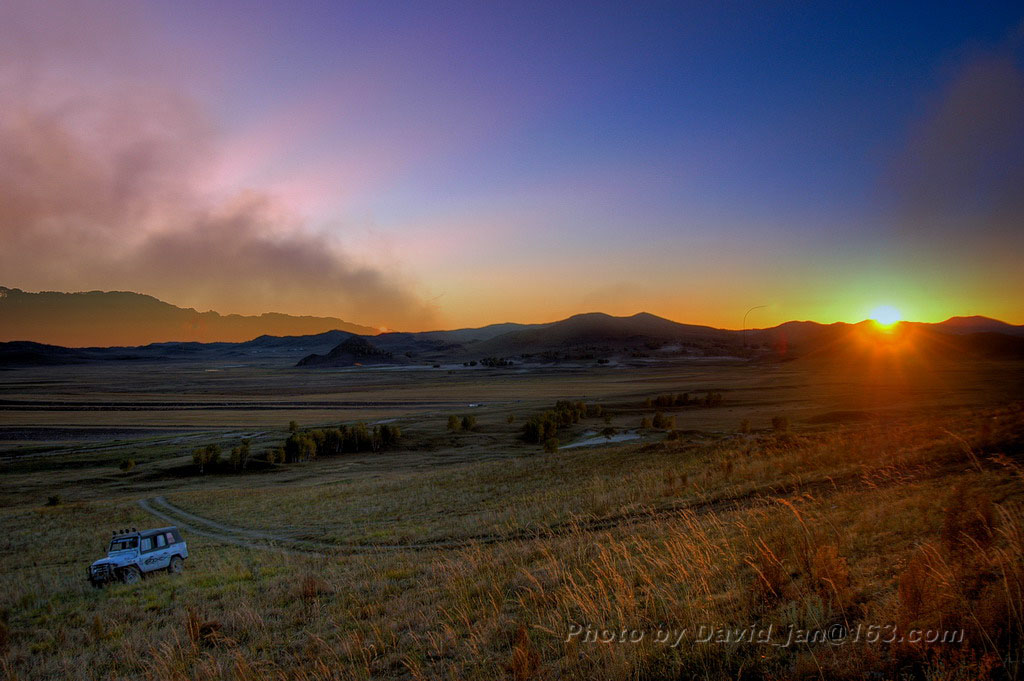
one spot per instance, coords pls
(133, 554)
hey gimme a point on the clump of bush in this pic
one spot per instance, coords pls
(542, 427)
(457, 423)
(671, 400)
(126, 465)
(663, 422)
(207, 456)
(713, 399)
(310, 444)
(969, 522)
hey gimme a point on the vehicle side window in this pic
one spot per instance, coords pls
(170, 538)
(161, 541)
(147, 544)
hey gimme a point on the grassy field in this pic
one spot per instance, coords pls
(889, 504)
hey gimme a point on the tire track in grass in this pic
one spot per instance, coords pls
(255, 539)
(224, 538)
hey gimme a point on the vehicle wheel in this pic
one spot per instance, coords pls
(177, 566)
(131, 575)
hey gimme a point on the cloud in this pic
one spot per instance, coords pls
(101, 186)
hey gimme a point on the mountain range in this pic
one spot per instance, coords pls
(107, 318)
(585, 338)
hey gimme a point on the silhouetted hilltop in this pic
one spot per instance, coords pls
(107, 318)
(350, 352)
(592, 337)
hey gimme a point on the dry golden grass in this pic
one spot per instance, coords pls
(917, 525)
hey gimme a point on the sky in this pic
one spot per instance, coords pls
(439, 165)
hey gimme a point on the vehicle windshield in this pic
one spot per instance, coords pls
(124, 543)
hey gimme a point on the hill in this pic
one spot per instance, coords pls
(353, 351)
(122, 318)
(586, 337)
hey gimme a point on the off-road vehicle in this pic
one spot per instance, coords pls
(133, 554)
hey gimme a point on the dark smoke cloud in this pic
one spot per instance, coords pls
(101, 187)
(961, 176)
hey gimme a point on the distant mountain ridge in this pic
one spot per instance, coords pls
(122, 318)
(589, 337)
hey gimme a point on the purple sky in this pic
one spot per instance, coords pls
(420, 165)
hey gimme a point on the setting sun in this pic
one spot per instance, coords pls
(885, 315)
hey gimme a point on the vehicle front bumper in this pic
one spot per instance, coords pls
(101, 573)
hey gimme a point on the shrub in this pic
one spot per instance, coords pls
(312, 587)
(831, 576)
(454, 423)
(468, 422)
(53, 500)
(663, 422)
(510, 419)
(968, 523)
(770, 575)
(780, 424)
(645, 422)
(525, 660)
(920, 595)
(126, 465)
(712, 399)
(551, 445)
(745, 426)
(293, 426)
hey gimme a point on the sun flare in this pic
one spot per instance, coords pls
(886, 315)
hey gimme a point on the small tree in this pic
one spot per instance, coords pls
(454, 423)
(206, 456)
(387, 436)
(299, 447)
(468, 422)
(126, 465)
(240, 455)
(551, 445)
(293, 426)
